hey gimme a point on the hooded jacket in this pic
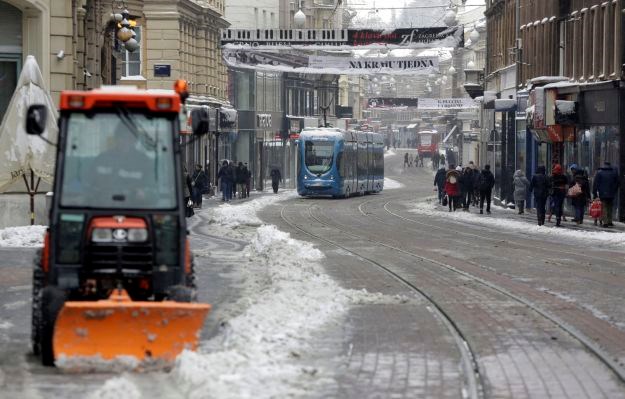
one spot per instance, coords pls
(606, 183)
(521, 184)
(540, 184)
(439, 179)
(558, 182)
(487, 180)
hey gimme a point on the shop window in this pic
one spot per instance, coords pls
(131, 62)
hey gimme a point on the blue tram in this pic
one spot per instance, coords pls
(333, 162)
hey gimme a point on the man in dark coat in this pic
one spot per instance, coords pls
(605, 187)
(580, 199)
(539, 185)
(558, 186)
(241, 176)
(248, 180)
(276, 178)
(225, 177)
(486, 182)
(199, 183)
(439, 183)
(466, 185)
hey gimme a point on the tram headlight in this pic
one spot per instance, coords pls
(305, 177)
(332, 177)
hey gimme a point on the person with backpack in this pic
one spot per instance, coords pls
(521, 184)
(487, 182)
(580, 195)
(558, 187)
(540, 187)
(605, 187)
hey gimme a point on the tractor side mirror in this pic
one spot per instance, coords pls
(36, 118)
(199, 121)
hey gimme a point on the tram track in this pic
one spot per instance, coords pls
(474, 385)
(599, 353)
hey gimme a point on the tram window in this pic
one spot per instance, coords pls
(318, 155)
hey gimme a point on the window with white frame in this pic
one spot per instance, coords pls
(131, 62)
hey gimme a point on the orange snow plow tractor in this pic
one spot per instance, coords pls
(115, 277)
(149, 330)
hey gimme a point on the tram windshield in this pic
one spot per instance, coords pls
(319, 155)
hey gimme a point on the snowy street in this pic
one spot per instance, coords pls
(377, 296)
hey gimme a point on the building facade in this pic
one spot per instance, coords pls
(568, 84)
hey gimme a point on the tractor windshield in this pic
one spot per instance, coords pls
(119, 159)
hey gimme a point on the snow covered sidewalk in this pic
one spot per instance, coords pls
(508, 220)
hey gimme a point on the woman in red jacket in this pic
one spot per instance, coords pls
(452, 187)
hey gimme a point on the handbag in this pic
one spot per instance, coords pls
(445, 200)
(596, 209)
(575, 190)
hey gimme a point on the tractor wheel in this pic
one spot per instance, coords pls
(179, 293)
(52, 300)
(35, 323)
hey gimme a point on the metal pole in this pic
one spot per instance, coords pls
(216, 160)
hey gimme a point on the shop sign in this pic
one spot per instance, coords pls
(407, 38)
(387, 102)
(447, 103)
(227, 118)
(368, 65)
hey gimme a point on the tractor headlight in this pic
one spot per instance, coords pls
(137, 235)
(102, 235)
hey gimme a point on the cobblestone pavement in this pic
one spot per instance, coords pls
(543, 315)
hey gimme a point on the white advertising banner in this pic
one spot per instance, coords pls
(407, 65)
(447, 103)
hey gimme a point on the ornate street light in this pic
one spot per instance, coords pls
(450, 18)
(299, 19)
(125, 28)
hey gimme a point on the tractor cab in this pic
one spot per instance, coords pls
(117, 220)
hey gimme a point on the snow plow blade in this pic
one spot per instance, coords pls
(118, 326)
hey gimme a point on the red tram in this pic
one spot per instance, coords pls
(427, 142)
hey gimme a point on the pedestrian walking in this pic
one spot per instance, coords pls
(442, 160)
(486, 184)
(540, 187)
(276, 178)
(187, 191)
(410, 160)
(436, 158)
(199, 183)
(241, 176)
(466, 186)
(233, 179)
(248, 179)
(558, 189)
(420, 160)
(225, 180)
(579, 192)
(405, 160)
(452, 188)
(605, 187)
(521, 185)
(439, 183)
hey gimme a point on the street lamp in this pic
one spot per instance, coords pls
(299, 19)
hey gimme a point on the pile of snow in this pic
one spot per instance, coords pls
(119, 387)
(389, 153)
(506, 224)
(265, 350)
(390, 184)
(22, 236)
(244, 213)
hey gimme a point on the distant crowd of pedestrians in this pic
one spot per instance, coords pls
(460, 188)
(234, 180)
